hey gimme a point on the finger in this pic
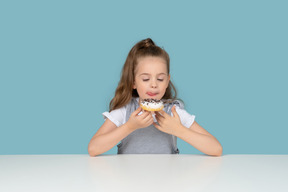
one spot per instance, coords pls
(137, 111)
(145, 114)
(175, 114)
(161, 113)
(151, 121)
(158, 115)
(148, 117)
(159, 119)
(157, 126)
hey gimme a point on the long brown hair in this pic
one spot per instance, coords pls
(124, 92)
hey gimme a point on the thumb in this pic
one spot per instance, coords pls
(175, 114)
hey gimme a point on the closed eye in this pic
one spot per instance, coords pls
(157, 79)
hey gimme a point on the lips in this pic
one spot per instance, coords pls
(151, 94)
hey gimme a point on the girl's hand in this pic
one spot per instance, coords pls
(167, 123)
(140, 121)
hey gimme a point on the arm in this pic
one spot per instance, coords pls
(109, 134)
(199, 138)
(107, 137)
(195, 135)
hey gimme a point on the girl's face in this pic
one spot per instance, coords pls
(151, 77)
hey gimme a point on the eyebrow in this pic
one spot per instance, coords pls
(150, 74)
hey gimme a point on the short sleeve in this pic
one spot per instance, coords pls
(186, 119)
(117, 116)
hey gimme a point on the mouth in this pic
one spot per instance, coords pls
(151, 94)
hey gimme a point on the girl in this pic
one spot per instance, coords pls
(146, 74)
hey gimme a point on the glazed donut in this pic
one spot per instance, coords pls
(152, 104)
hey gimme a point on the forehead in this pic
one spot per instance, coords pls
(151, 65)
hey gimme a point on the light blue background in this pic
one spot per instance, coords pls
(61, 62)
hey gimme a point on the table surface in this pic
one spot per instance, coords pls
(143, 173)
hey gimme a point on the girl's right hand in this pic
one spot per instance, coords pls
(140, 121)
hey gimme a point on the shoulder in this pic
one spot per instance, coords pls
(178, 103)
(117, 116)
(119, 111)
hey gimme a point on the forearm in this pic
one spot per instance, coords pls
(105, 142)
(204, 143)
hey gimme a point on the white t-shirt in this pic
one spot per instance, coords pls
(118, 116)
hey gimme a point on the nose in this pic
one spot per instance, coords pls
(154, 84)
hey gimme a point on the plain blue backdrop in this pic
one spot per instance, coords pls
(60, 62)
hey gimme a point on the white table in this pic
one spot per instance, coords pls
(147, 173)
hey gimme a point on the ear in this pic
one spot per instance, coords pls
(134, 86)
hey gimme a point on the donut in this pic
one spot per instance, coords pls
(152, 104)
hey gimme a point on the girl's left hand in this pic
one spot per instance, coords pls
(167, 123)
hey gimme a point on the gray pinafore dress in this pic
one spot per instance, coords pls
(148, 140)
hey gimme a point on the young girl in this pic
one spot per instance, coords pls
(146, 74)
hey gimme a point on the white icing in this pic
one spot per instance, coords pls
(152, 105)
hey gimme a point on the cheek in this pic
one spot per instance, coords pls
(140, 85)
(165, 84)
